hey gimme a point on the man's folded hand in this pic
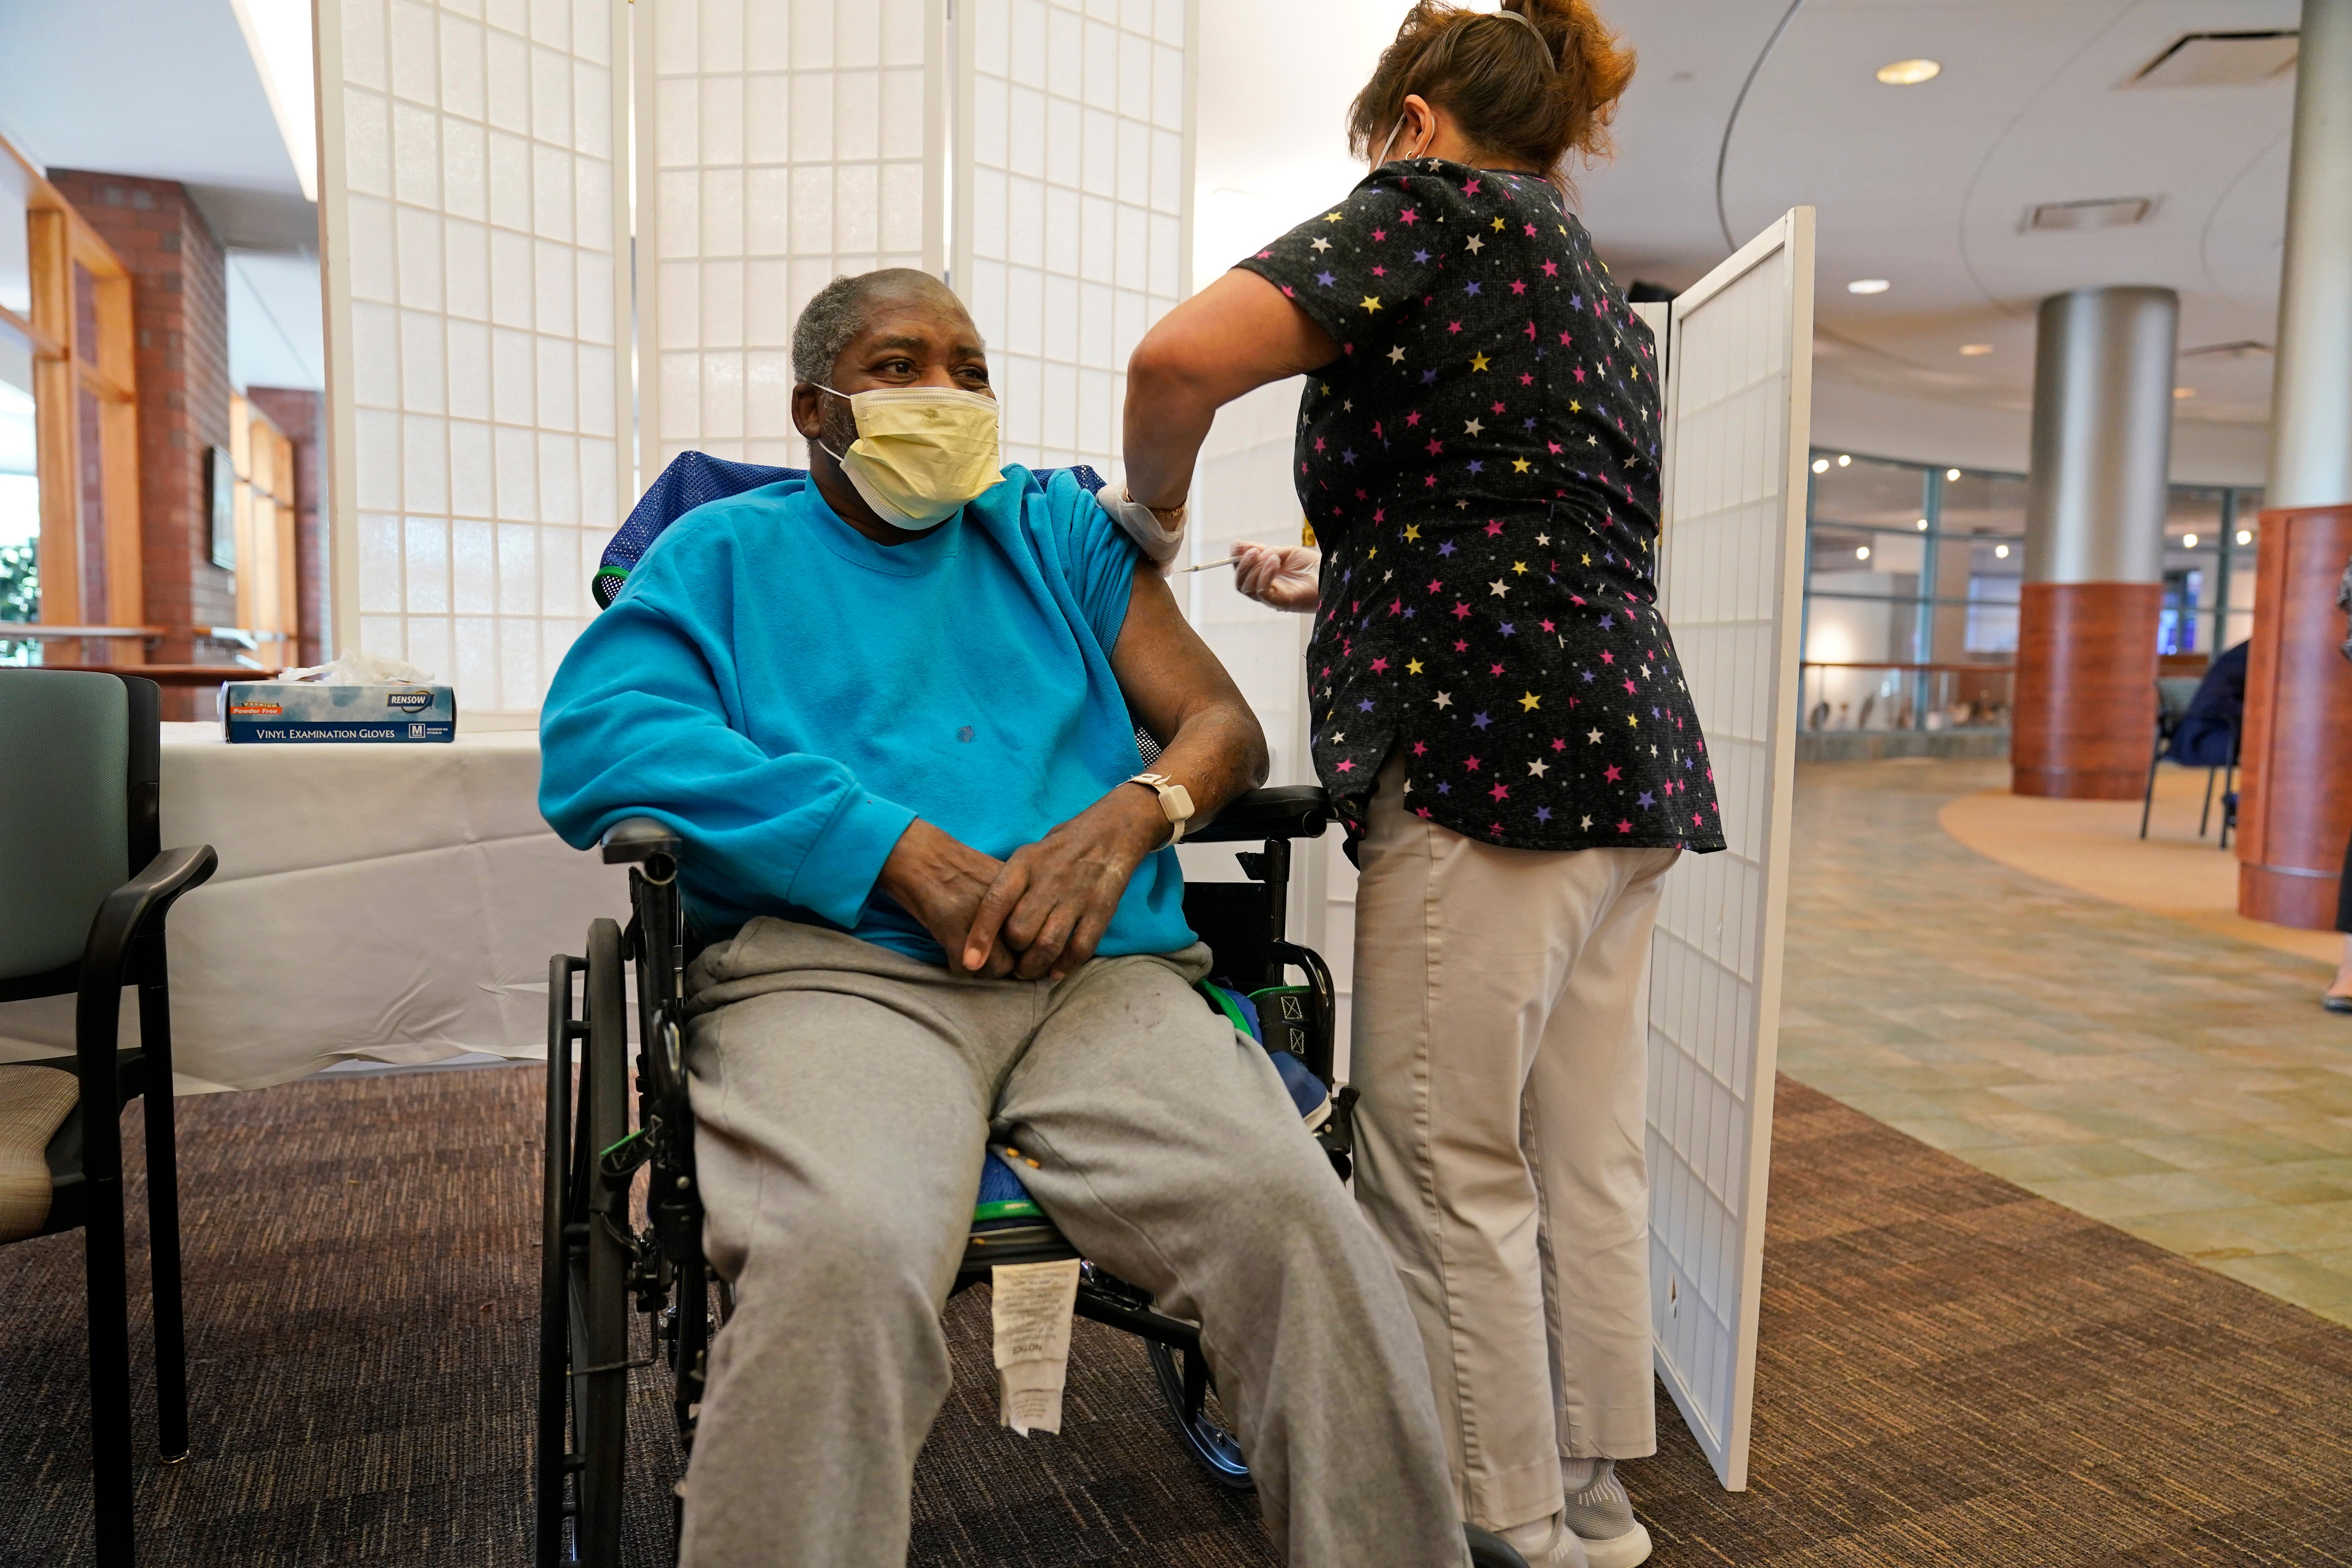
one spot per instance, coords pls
(1052, 900)
(940, 881)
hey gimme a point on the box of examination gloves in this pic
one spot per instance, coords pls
(359, 698)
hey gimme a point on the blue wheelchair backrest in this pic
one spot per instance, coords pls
(696, 478)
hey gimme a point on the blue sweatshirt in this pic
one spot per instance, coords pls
(788, 695)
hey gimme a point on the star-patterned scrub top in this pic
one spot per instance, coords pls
(1480, 469)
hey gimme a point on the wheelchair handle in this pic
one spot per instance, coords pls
(636, 839)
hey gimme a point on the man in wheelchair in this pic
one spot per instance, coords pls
(888, 710)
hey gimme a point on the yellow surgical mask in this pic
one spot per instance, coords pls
(921, 452)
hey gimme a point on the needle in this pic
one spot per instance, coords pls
(1204, 565)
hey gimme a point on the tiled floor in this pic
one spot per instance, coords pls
(2181, 1085)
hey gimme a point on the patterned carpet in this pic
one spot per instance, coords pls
(1952, 1371)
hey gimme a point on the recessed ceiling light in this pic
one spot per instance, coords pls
(1973, 350)
(2184, 391)
(1821, 464)
(1951, 473)
(2000, 552)
(1923, 525)
(2187, 541)
(1909, 73)
(1844, 461)
(1862, 552)
(1868, 286)
(2245, 536)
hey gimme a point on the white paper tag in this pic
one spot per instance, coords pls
(1029, 1307)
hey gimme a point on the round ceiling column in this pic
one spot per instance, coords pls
(2296, 795)
(2094, 509)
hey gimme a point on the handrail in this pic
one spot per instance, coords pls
(49, 631)
(1961, 668)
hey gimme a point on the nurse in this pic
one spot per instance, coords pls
(1498, 713)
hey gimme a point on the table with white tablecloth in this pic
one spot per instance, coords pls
(392, 903)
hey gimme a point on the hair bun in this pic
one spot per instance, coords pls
(1507, 101)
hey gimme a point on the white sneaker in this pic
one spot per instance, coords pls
(1562, 1549)
(1602, 1515)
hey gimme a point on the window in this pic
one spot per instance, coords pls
(69, 550)
(1914, 575)
(268, 596)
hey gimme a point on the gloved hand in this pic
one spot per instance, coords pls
(1158, 534)
(1279, 576)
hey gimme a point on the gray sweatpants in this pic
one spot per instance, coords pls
(842, 1095)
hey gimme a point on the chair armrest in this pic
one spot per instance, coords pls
(132, 911)
(1285, 811)
(634, 839)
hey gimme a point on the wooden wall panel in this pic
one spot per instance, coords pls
(2295, 794)
(2085, 715)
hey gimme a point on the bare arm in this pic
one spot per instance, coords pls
(1055, 899)
(1235, 336)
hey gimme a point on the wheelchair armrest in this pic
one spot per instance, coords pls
(1285, 811)
(634, 839)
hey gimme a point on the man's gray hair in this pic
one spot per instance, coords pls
(832, 319)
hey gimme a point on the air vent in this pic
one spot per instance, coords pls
(2245, 348)
(2110, 212)
(2220, 59)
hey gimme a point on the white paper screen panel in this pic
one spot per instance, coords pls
(474, 210)
(781, 143)
(1738, 399)
(1073, 191)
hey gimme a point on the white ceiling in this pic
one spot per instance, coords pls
(171, 89)
(1925, 187)
(166, 88)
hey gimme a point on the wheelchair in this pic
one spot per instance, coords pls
(600, 1260)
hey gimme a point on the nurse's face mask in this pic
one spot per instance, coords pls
(921, 452)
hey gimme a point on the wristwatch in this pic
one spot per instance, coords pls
(1175, 800)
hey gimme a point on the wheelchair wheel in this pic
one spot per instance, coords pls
(584, 1319)
(1184, 1387)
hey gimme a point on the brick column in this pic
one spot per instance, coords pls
(179, 296)
(302, 415)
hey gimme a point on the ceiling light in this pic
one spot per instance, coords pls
(1868, 286)
(1951, 473)
(2187, 541)
(2000, 552)
(1821, 464)
(1862, 552)
(1909, 73)
(1844, 461)
(1923, 525)
(2184, 391)
(1973, 350)
(2245, 536)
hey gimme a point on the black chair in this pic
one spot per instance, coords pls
(2186, 738)
(84, 890)
(593, 1262)
(2173, 694)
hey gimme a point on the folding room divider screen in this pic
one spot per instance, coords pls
(1737, 381)
(477, 273)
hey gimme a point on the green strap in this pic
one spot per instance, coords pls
(1223, 1003)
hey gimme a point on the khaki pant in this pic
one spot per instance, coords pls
(1501, 1016)
(842, 1095)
